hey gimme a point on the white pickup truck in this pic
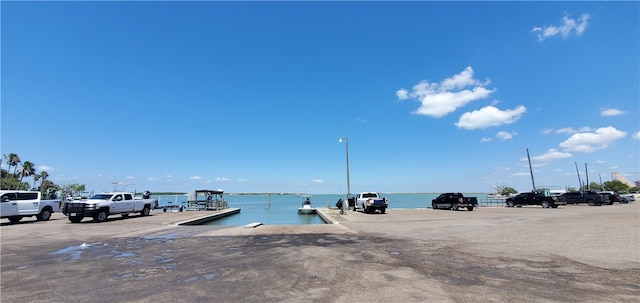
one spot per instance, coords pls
(102, 205)
(370, 202)
(17, 204)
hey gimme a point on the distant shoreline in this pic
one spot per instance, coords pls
(296, 194)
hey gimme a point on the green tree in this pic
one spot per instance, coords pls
(571, 189)
(503, 189)
(73, 189)
(595, 186)
(36, 177)
(27, 170)
(507, 190)
(12, 160)
(616, 186)
(49, 189)
(43, 175)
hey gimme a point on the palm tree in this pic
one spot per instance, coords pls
(36, 177)
(27, 170)
(43, 175)
(12, 160)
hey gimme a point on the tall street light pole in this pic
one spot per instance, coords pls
(345, 204)
(531, 171)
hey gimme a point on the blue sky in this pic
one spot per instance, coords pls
(253, 96)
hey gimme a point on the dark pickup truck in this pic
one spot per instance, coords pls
(454, 201)
(534, 198)
(590, 197)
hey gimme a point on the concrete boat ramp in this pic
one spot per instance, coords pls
(529, 254)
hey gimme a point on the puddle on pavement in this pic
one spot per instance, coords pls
(74, 252)
(201, 277)
(123, 254)
(162, 238)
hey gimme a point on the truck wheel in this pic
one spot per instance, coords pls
(101, 216)
(145, 211)
(470, 208)
(75, 219)
(454, 206)
(44, 215)
(545, 204)
(624, 201)
(591, 202)
(15, 219)
(382, 210)
(510, 204)
(433, 205)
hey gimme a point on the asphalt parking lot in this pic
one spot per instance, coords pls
(529, 254)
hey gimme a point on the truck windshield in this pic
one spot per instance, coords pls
(101, 197)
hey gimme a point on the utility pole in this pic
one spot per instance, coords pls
(586, 172)
(578, 174)
(533, 183)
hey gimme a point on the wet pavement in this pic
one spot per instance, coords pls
(569, 254)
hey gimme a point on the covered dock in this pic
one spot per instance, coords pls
(206, 199)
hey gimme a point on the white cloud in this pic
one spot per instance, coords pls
(317, 181)
(547, 131)
(42, 168)
(636, 135)
(195, 178)
(483, 140)
(152, 179)
(565, 29)
(571, 130)
(222, 179)
(588, 142)
(551, 155)
(168, 176)
(130, 177)
(489, 116)
(502, 135)
(439, 99)
(610, 112)
(521, 175)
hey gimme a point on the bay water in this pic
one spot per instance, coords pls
(282, 209)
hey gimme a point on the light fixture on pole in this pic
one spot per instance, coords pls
(345, 204)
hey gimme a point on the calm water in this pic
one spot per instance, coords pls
(279, 209)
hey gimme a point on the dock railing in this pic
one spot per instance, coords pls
(491, 202)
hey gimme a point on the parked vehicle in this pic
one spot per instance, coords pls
(102, 205)
(454, 201)
(609, 197)
(590, 197)
(543, 199)
(370, 202)
(628, 197)
(17, 204)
